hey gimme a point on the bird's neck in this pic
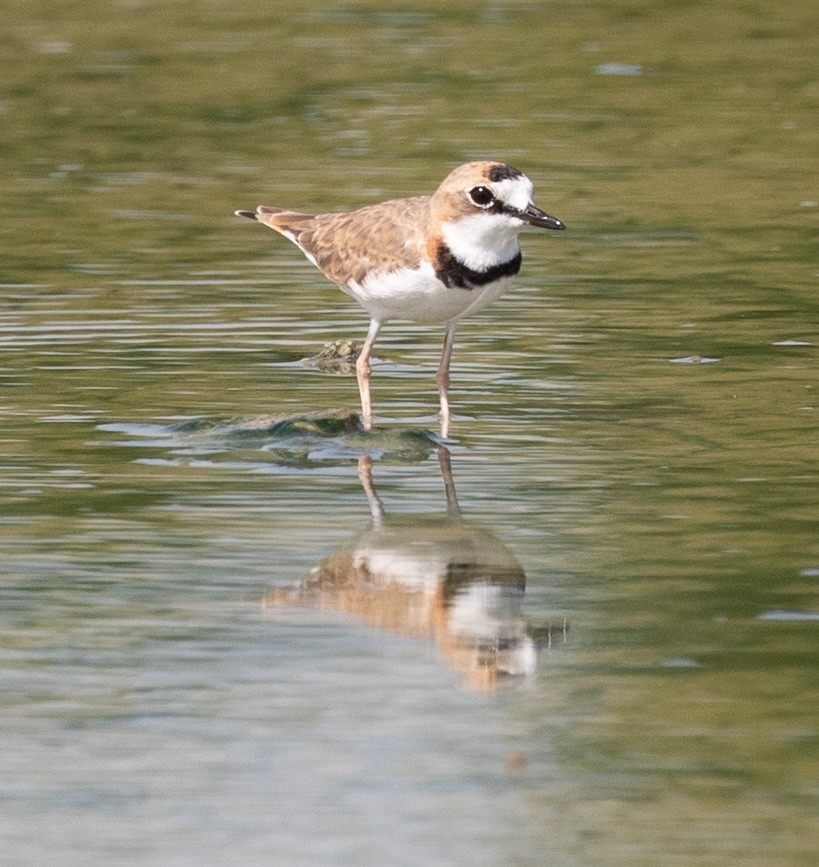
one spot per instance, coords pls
(454, 273)
(481, 242)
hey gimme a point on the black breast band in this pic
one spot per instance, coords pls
(454, 274)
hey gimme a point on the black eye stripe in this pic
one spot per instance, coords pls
(499, 207)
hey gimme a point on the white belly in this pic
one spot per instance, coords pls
(419, 296)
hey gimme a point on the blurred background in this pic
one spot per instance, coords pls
(236, 628)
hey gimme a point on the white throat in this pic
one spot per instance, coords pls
(482, 241)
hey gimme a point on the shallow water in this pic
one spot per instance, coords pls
(235, 627)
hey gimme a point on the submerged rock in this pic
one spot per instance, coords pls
(338, 356)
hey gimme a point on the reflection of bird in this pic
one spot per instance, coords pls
(427, 259)
(435, 577)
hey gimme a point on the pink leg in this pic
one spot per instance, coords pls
(443, 377)
(363, 371)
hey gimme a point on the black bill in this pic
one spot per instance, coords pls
(535, 217)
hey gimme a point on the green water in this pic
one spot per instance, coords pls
(634, 428)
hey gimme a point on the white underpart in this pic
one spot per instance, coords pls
(408, 293)
(418, 295)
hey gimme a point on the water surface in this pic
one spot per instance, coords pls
(235, 627)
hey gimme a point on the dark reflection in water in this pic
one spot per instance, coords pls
(432, 576)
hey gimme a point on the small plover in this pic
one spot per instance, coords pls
(427, 259)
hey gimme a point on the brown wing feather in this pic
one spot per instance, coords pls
(346, 246)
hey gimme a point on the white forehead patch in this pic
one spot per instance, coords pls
(516, 192)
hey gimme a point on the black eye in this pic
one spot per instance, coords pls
(481, 196)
